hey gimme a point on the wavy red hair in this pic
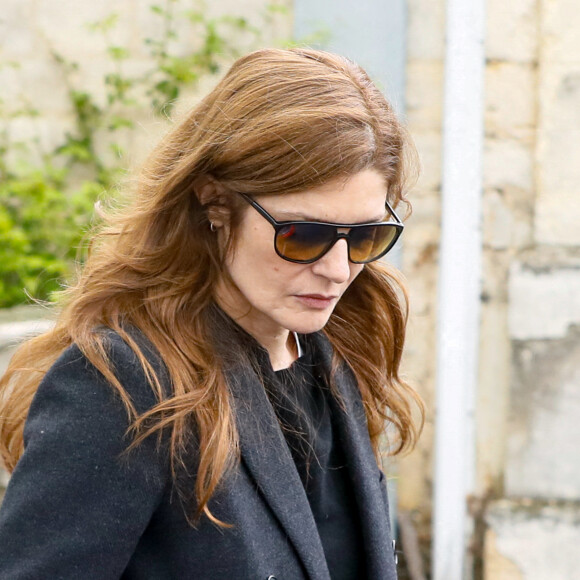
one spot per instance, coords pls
(280, 121)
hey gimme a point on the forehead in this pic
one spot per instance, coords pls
(358, 198)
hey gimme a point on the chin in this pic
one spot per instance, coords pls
(312, 324)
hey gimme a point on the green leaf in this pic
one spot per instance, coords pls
(195, 16)
(277, 8)
(118, 53)
(106, 24)
(120, 123)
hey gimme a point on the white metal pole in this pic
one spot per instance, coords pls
(459, 287)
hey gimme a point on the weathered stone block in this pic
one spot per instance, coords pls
(510, 100)
(428, 145)
(557, 218)
(560, 25)
(544, 430)
(492, 397)
(498, 222)
(530, 541)
(65, 25)
(558, 201)
(40, 135)
(11, 87)
(415, 470)
(508, 163)
(508, 217)
(512, 30)
(543, 303)
(19, 39)
(424, 94)
(426, 42)
(34, 83)
(496, 565)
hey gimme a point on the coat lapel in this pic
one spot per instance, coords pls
(267, 457)
(352, 430)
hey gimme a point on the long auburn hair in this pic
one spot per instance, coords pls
(279, 122)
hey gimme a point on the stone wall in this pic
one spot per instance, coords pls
(539, 265)
(529, 379)
(426, 48)
(31, 30)
(425, 45)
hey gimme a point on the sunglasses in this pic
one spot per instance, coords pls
(305, 242)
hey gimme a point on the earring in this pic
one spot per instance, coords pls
(212, 227)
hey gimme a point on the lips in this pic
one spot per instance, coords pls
(317, 296)
(316, 301)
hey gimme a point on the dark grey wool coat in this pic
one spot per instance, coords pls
(75, 510)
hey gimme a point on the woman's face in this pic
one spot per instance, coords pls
(274, 295)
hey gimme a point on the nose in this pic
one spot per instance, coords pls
(334, 265)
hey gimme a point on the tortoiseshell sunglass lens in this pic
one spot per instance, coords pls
(304, 241)
(366, 243)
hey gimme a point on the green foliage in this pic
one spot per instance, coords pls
(40, 229)
(45, 209)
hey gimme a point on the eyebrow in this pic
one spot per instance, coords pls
(297, 215)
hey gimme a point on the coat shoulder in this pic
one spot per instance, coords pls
(74, 371)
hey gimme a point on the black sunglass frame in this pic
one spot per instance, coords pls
(278, 225)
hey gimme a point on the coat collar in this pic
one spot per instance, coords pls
(351, 425)
(268, 459)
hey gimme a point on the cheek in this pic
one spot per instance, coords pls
(355, 270)
(254, 264)
(250, 247)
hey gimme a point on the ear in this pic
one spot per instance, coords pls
(212, 196)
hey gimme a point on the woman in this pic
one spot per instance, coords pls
(210, 401)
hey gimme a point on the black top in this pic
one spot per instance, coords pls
(300, 402)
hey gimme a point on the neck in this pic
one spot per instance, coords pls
(286, 355)
(279, 342)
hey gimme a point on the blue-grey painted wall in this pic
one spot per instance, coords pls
(371, 32)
